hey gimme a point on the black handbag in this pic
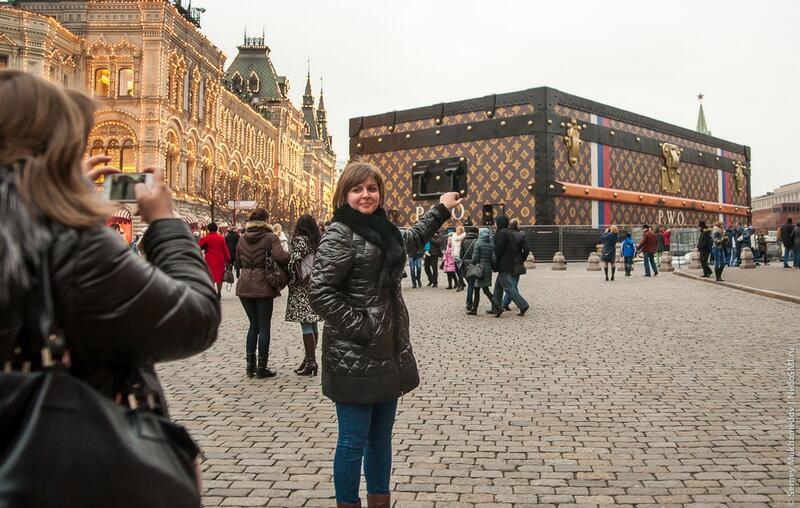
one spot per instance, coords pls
(474, 272)
(277, 277)
(228, 275)
(65, 444)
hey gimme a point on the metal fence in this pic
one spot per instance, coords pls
(577, 242)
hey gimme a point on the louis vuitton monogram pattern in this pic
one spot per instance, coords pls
(580, 172)
(461, 118)
(499, 171)
(641, 131)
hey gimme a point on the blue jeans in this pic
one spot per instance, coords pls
(786, 253)
(505, 282)
(649, 260)
(507, 296)
(470, 289)
(796, 257)
(415, 269)
(365, 430)
(259, 313)
(719, 257)
(309, 328)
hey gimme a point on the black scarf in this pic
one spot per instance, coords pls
(377, 230)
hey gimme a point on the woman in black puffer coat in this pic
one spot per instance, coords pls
(367, 359)
(117, 314)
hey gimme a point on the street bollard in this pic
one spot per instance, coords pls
(695, 260)
(666, 262)
(594, 263)
(559, 263)
(747, 259)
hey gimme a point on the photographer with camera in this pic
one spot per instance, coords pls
(83, 320)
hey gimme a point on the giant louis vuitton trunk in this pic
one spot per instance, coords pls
(547, 157)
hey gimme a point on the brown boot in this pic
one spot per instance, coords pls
(310, 368)
(379, 500)
(349, 505)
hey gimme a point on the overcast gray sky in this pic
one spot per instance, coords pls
(651, 58)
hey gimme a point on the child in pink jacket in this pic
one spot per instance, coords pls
(449, 265)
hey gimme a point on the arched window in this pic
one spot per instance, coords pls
(97, 148)
(102, 82)
(127, 162)
(113, 152)
(233, 187)
(125, 83)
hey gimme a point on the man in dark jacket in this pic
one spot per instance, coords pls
(704, 248)
(508, 248)
(785, 236)
(519, 268)
(231, 240)
(433, 251)
(796, 245)
(648, 246)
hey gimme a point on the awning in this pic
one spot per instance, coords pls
(188, 218)
(121, 214)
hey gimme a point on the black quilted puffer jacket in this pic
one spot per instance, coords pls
(366, 352)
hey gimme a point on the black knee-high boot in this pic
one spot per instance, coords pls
(613, 272)
(605, 269)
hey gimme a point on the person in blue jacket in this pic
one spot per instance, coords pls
(628, 252)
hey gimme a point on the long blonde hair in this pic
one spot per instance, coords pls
(43, 134)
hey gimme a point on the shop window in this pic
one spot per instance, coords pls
(102, 82)
(127, 161)
(97, 148)
(201, 93)
(237, 83)
(125, 83)
(3, 61)
(171, 168)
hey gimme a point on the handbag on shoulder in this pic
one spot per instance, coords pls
(474, 272)
(65, 444)
(277, 277)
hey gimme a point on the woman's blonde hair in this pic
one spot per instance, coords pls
(353, 174)
(614, 229)
(43, 134)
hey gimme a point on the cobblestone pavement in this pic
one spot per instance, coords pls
(630, 393)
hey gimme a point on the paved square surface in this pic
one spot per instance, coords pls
(645, 391)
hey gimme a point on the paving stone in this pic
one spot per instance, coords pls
(622, 392)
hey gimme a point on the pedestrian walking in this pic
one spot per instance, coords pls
(628, 251)
(647, 246)
(302, 251)
(508, 250)
(761, 241)
(608, 255)
(704, 248)
(484, 257)
(449, 266)
(415, 267)
(467, 248)
(717, 249)
(666, 234)
(433, 251)
(519, 264)
(456, 240)
(83, 322)
(232, 240)
(795, 237)
(256, 294)
(216, 254)
(367, 359)
(278, 230)
(785, 237)
(660, 248)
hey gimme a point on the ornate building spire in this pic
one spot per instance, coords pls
(308, 98)
(702, 127)
(322, 118)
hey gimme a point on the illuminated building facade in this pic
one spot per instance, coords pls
(166, 100)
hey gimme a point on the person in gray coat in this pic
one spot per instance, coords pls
(367, 359)
(483, 255)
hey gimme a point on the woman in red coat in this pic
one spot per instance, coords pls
(217, 255)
